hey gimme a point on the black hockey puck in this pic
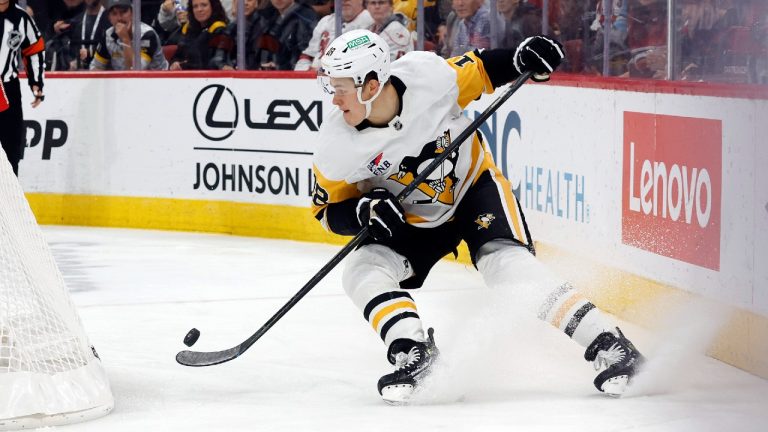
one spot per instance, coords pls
(191, 337)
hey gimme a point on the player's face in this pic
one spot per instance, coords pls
(202, 10)
(345, 98)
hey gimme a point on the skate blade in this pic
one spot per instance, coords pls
(616, 386)
(398, 394)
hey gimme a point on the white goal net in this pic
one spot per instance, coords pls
(49, 372)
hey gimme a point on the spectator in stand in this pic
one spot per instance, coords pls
(699, 34)
(171, 17)
(72, 9)
(519, 21)
(619, 53)
(229, 9)
(116, 51)
(555, 11)
(58, 46)
(226, 53)
(149, 10)
(43, 12)
(354, 16)
(202, 36)
(473, 30)
(289, 30)
(572, 28)
(740, 44)
(391, 27)
(321, 7)
(446, 34)
(88, 31)
(647, 39)
(618, 20)
(409, 9)
(568, 16)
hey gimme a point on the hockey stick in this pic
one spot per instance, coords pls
(200, 358)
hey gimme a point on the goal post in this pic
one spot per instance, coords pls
(49, 372)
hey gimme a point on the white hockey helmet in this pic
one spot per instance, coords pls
(355, 54)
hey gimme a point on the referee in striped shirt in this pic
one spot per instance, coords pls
(19, 36)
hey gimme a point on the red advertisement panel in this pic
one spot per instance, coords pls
(672, 186)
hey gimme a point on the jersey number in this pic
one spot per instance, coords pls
(319, 196)
(463, 60)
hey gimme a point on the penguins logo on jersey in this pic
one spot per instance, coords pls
(439, 185)
(484, 220)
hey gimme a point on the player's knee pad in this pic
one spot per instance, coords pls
(371, 270)
(511, 267)
(504, 261)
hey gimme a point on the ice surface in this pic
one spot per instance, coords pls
(139, 292)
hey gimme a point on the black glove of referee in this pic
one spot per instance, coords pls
(540, 55)
(380, 211)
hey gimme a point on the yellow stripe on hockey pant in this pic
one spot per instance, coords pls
(387, 310)
(566, 306)
(510, 202)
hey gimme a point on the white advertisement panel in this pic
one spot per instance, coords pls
(663, 186)
(223, 139)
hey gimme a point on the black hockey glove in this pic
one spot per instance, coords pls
(380, 211)
(540, 55)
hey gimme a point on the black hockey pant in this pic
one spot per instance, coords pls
(12, 126)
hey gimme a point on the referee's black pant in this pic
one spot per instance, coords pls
(12, 125)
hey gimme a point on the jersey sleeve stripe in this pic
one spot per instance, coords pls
(35, 48)
(336, 190)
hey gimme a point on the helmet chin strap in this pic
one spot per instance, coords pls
(369, 101)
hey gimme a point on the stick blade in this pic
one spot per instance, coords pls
(198, 359)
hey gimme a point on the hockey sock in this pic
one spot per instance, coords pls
(566, 309)
(537, 289)
(371, 279)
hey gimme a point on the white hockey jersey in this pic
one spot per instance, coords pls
(324, 33)
(349, 162)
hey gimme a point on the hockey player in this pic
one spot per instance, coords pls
(390, 122)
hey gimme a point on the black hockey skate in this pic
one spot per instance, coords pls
(413, 362)
(617, 359)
